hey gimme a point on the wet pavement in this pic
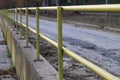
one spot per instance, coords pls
(5, 61)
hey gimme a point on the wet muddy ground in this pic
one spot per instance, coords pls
(99, 47)
(8, 74)
(72, 69)
(76, 71)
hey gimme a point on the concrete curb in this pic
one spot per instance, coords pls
(24, 59)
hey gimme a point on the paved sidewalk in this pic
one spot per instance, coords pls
(5, 61)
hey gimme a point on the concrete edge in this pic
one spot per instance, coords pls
(24, 59)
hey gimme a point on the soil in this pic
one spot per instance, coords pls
(72, 69)
(10, 74)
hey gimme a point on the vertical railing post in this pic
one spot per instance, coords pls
(12, 17)
(26, 27)
(60, 52)
(37, 34)
(16, 20)
(9, 19)
(20, 23)
(11, 14)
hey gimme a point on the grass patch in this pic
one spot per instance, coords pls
(12, 72)
(12, 68)
(8, 54)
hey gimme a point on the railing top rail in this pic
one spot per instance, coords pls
(89, 8)
(48, 8)
(41, 8)
(95, 8)
(32, 8)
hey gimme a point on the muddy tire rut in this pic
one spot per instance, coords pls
(72, 69)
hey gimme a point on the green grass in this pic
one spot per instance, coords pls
(8, 54)
(11, 68)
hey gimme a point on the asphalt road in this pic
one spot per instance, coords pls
(100, 47)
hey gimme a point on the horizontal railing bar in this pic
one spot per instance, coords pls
(41, 35)
(41, 8)
(101, 72)
(23, 8)
(95, 8)
(48, 8)
(89, 8)
(31, 8)
(49, 40)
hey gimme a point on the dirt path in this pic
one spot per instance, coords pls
(72, 69)
(89, 20)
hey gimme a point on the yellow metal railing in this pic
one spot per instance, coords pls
(96, 8)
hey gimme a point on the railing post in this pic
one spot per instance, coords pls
(26, 27)
(37, 34)
(60, 51)
(9, 14)
(16, 20)
(20, 23)
(10, 21)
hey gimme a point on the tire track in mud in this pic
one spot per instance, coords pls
(72, 69)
